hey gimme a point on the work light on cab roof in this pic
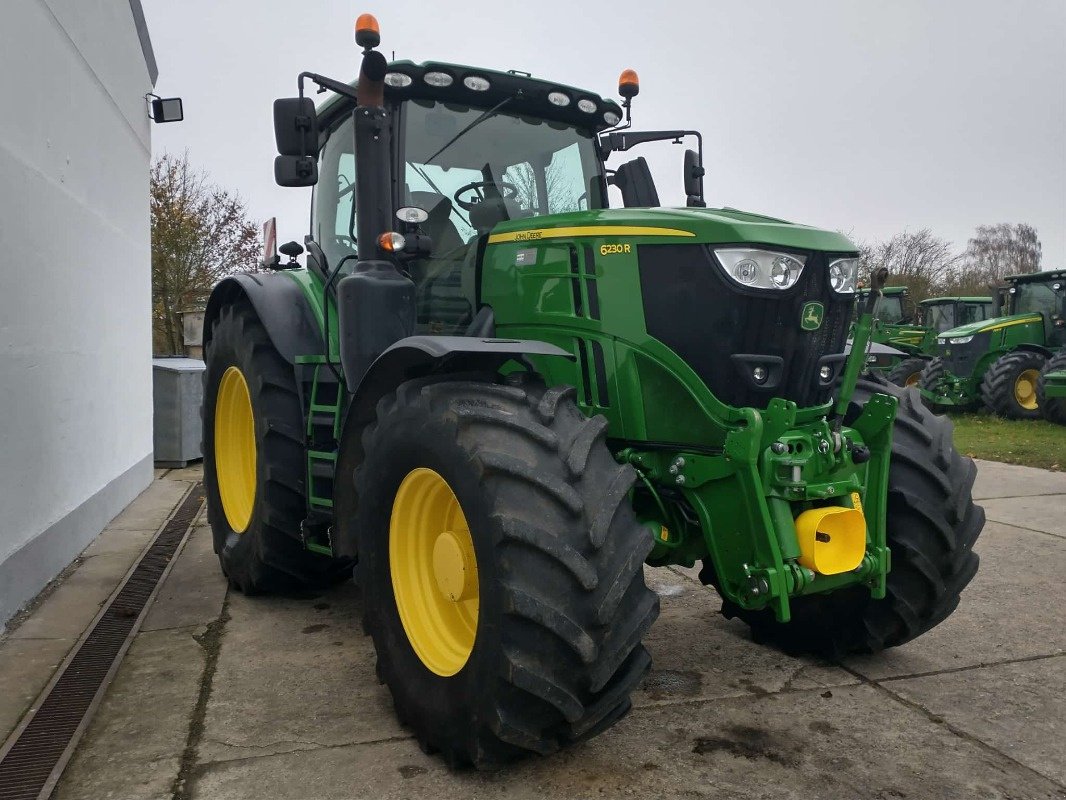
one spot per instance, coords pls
(499, 393)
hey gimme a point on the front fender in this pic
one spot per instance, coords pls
(409, 358)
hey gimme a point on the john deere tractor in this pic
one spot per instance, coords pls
(997, 362)
(914, 331)
(498, 397)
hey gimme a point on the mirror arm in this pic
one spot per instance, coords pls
(620, 141)
(325, 84)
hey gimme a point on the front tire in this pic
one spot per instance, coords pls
(547, 648)
(254, 460)
(932, 524)
(1009, 385)
(1053, 408)
(908, 372)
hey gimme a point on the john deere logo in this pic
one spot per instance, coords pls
(811, 318)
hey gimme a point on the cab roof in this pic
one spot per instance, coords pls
(932, 301)
(528, 95)
(890, 291)
(1037, 277)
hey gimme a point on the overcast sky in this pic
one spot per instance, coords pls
(862, 116)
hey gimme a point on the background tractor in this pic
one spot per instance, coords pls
(998, 362)
(913, 329)
(498, 398)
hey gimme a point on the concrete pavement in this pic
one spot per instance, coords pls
(224, 696)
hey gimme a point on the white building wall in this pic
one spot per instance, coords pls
(75, 281)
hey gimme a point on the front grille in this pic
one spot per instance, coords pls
(704, 317)
(961, 359)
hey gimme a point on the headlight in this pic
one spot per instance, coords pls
(843, 275)
(761, 269)
(962, 340)
(941, 341)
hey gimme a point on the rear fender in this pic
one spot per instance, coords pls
(281, 307)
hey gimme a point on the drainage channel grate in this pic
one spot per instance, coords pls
(34, 760)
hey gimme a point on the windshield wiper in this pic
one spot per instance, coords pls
(490, 113)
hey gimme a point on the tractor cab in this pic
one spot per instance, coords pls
(471, 148)
(940, 314)
(895, 307)
(1042, 293)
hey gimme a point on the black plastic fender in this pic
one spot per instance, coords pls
(280, 305)
(412, 357)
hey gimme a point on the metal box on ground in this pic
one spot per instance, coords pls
(177, 392)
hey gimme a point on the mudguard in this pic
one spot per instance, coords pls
(412, 357)
(280, 305)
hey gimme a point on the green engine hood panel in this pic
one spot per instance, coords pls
(724, 225)
(990, 325)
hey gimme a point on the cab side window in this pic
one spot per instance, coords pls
(333, 218)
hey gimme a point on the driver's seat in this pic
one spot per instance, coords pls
(439, 227)
(491, 211)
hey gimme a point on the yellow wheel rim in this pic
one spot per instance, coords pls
(1025, 389)
(434, 571)
(235, 449)
(912, 379)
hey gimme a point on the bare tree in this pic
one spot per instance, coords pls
(560, 194)
(919, 260)
(200, 234)
(996, 251)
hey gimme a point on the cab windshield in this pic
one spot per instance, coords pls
(516, 166)
(890, 310)
(1039, 298)
(471, 169)
(940, 317)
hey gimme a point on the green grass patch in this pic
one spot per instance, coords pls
(1032, 443)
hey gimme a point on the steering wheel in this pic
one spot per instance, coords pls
(507, 190)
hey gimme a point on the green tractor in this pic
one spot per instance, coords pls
(997, 362)
(498, 398)
(914, 331)
(1051, 388)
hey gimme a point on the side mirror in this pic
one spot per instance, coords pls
(295, 126)
(295, 171)
(296, 134)
(694, 179)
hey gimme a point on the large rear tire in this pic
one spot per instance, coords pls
(536, 638)
(908, 372)
(1053, 408)
(254, 460)
(1009, 385)
(932, 524)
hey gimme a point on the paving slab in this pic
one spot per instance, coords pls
(698, 654)
(193, 472)
(1010, 480)
(855, 743)
(68, 610)
(195, 589)
(133, 747)
(26, 665)
(1006, 613)
(1045, 513)
(295, 673)
(1018, 708)
(152, 506)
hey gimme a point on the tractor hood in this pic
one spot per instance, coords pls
(990, 325)
(705, 225)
